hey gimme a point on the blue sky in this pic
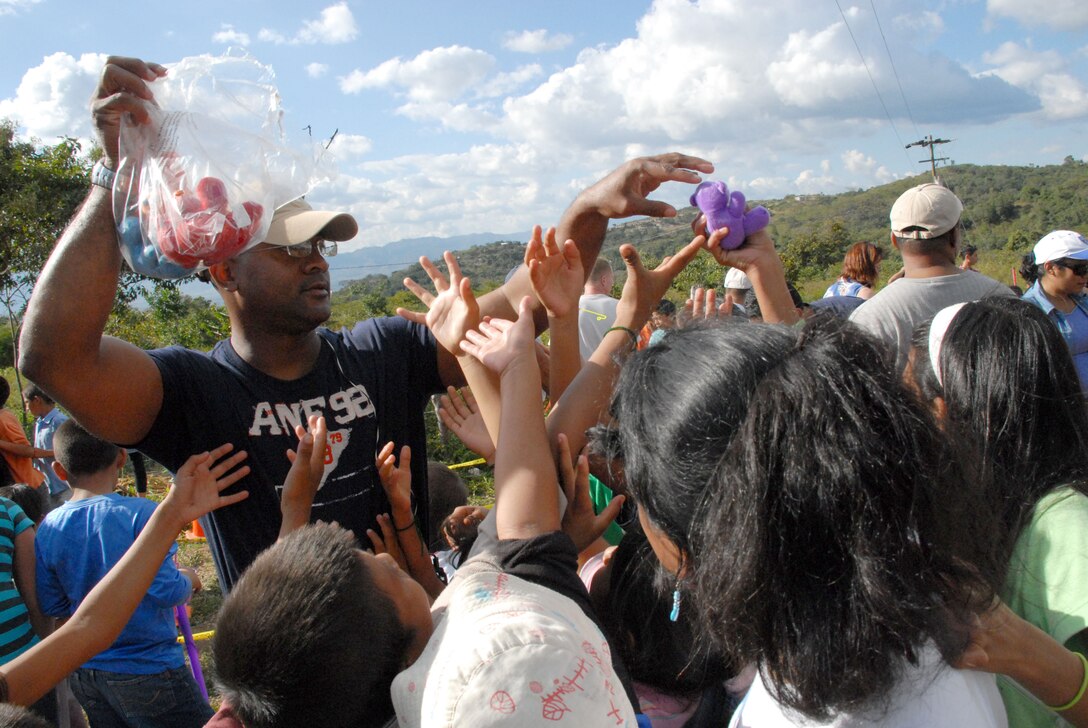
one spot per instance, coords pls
(459, 116)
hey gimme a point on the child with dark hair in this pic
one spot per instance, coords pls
(1002, 379)
(105, 611)
(31, 500)
(680, 681)
(809, 514)
(142, 678)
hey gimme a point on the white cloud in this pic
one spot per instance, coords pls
(347, 146)
(1044, 73)
(441, 74)
(502, 84)
(536, 41)
(316, 70)
(14, 7)
(1065, 15)
(925, 22)
(271, 36)
(51, 99)
(335, 25)
(227, 34)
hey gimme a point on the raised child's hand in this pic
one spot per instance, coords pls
(555, 272)
(396, 479)
(387, 542)
(579, 521)
(304, 477)
(499, 343)
(460, 413)
(200, 481)
(644, 288)
(452, 312)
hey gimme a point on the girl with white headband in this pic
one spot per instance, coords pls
(1002, 382)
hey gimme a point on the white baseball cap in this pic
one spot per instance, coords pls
(1061, 244)
(736, 278)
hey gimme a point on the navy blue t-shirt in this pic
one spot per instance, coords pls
(370, 383)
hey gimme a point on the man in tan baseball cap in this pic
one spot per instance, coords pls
(925, 223)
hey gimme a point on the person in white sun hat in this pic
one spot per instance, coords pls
(1058, 270)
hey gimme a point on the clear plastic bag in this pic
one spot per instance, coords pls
(199, 183)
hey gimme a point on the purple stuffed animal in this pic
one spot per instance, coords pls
(723, 209)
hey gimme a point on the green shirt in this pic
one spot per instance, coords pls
(1048, 586)
(601, 495)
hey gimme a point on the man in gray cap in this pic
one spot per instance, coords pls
(279, 365)
(926, 229)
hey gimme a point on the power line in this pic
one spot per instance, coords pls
(872, 80)
(894, 71)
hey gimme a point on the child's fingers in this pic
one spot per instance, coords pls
(566, 471)
(225, 465)
(454, 267)
(610, 512)
(470, 400)
(229, 500)
(375, 541)
(439, 280)
(220, 451)
(389, 533)
(232, 477)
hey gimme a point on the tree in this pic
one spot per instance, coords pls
(40, 188)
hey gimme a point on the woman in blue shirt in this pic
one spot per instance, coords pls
(1058, 270)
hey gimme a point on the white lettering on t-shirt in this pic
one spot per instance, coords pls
(351, 404)
(263, 417)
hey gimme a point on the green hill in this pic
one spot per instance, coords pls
(1006, 209)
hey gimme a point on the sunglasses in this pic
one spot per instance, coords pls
(1078, 267)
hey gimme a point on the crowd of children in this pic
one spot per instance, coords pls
(808, 538)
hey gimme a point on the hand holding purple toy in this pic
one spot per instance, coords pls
(725, 209)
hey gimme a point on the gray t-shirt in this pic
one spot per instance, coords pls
(596, 315)
(893, 313)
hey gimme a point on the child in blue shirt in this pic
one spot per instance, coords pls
(141, 679)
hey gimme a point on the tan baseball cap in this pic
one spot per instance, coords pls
(925, 211)
(297, 222)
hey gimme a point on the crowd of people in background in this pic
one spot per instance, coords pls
(870, 509)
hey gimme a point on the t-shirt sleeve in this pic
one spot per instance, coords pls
(550, 560)
(1058, 557)
(168, 439)
(19, 520)
(51, 597)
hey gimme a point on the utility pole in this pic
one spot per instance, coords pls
(932, 143)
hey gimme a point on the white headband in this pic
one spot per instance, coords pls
(937, 329)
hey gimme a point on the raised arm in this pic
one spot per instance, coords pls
(107, 608)
(623, 192)
(587, 398)
(526, 492)
(557, 278)
(111, 386)
(760, 262)
(397, 481)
